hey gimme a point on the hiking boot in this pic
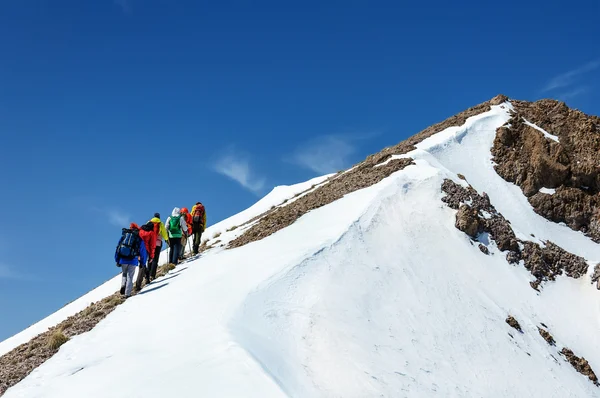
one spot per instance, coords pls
(122, 291)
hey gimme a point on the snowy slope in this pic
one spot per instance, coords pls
(374, 295)
(276, 197)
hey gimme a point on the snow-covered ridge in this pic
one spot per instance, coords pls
(276, 197)
(374, 295)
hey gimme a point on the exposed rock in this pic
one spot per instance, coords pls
(596, 276)
(547, 336)
(468, 221)
(545, 263)
(580, 364)
(499, 99)
(513, 323)
(496, 225)
(524, 156)
(513, 257)
(484, 249)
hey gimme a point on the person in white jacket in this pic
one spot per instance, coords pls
(176, 228)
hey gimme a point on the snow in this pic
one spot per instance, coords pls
(546, 134)
(276, 197)
(102, 291)
(376, 294)
(548, 191)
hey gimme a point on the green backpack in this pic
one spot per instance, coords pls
(175, 226)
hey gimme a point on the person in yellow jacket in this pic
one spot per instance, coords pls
(161, 233)
(198, 224)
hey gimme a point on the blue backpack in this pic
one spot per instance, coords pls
(129, 244)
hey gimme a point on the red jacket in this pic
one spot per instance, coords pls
(149, 238)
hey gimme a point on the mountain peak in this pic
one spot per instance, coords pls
(444, 265)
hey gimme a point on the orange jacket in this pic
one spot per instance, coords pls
(188, 219)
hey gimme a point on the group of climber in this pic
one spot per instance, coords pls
(141, 246)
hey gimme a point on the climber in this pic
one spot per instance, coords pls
(184, 239)
(176, 228)
(148, 235)
(161, 233)
(198, 224)
(130, 252)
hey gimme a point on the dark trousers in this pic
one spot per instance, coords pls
(142, 272)
(175, 244)
(154, 264)
(197, 239)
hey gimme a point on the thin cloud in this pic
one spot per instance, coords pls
(236, 166)
(329, 153)
(571, 77)
(114, 216)
(573, 93)
(125, 5)
(6, 272)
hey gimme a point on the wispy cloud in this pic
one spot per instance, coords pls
(573, 93)
(236, 165)
(8, 272)
(125, 5)
(5, 272)
(571, 78)
(329, 153)
(114, 216)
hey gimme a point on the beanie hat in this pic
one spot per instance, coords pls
(157, 215)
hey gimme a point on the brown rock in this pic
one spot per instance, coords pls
(546, 336)
(484, 249)
(545, 263)
(525, 157)
(499, 99)
(468, 221)
(580, 364)
(513, 323)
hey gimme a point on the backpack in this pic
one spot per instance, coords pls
(198, 215)
(129, 245)
(148, 227)
(174, 225)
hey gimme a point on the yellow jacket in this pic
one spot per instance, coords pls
(163, 231)
(203, 217)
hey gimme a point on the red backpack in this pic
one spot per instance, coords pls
(198, 215)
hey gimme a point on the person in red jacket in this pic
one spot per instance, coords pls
(148, 235)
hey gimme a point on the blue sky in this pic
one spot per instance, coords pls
(113, 110)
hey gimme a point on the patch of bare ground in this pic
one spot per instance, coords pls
(361, 176)
(22, 360)
(477, 215)
(524, 156)
(580, 364)
(546, 336)
(514, 323)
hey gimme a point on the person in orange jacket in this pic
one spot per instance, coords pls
(188, 220)
(198, 224)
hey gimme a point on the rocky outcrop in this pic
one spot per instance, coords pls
(549, 261)
(514, 323)
(468, 222)
(580, 364)
(476, 215)
(524, 156)
(596, 276)
(546, 336)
